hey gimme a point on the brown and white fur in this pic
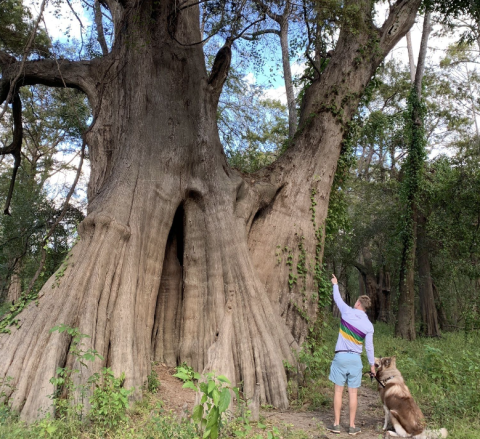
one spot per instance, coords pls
(406, 417)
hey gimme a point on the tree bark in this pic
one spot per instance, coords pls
(430, 326)
(411, 59)
(177, 255)
(15, 287)
(442, 316)
(405, 325)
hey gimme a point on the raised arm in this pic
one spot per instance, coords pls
(342, 306)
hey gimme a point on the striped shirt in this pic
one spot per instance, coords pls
(355, 328)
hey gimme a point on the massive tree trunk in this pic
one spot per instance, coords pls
(180, 257)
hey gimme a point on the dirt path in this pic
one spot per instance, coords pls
(369, 413)
(369, 417)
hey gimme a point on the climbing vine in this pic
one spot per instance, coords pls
(413, 171)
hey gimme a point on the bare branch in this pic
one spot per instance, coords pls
(307, 50)
(254, 35)
(81, 24)
(99, 26)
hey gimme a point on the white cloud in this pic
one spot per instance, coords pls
(60, 18)
(250, 78)
(278, 94)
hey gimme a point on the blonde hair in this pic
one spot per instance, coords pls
(365, 301)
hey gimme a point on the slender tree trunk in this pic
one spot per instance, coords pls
(287, 74)
(442, 317)
(411, 59)
(405, 325)
(370, 285)
(383, 294)
(430, 326)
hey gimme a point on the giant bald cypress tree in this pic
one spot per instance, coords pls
(176, 259)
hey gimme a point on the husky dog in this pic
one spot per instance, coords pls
(406, 417)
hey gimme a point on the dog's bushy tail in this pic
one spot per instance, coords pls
(436, 434)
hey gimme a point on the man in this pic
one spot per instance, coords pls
(347, 365)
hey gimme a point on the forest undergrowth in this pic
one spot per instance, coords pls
(443, 375)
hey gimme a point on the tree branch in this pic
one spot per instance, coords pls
(400, 20)
(99, 27)
(254, 35)
(81, 75)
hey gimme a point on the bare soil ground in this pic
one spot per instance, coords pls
(311, 423)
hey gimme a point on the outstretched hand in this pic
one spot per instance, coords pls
(334, 280)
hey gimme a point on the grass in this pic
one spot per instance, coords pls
(443, 375)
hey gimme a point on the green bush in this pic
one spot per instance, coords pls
(109, 401)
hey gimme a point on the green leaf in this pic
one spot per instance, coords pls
(182, 376)
(211, 386)
(223, 379)
(213, 416)
(197, 414)
(214, 432)
(224, 400)
(190, 385)
(215, 396)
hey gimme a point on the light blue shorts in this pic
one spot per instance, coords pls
(346, 368)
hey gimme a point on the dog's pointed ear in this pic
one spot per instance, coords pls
(394, 360)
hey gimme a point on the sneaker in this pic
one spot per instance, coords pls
(334, 429)
(354, 430)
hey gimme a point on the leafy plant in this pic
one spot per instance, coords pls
(153, 383)
(214, 402)
(109, 401)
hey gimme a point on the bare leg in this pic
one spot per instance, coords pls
(337, 403)
(352, 398)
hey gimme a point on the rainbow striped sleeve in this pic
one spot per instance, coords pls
(351, 333)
